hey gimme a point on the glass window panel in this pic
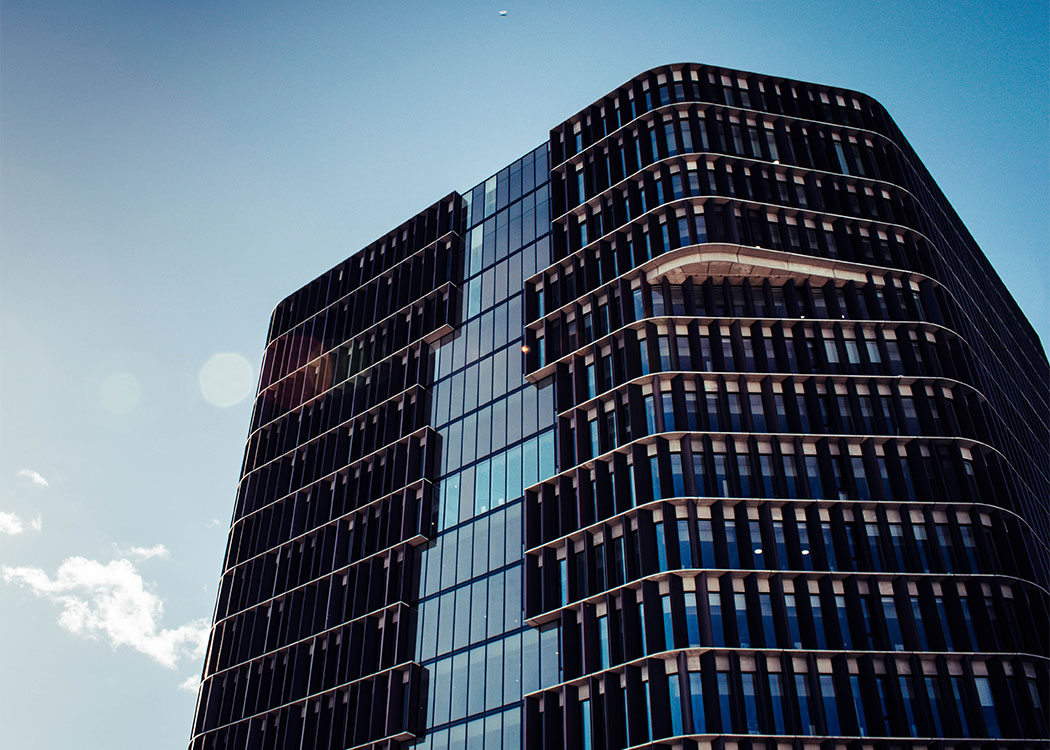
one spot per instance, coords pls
(476, 685)
(547, 467)
(499, 480)
(481, 487)
(514, 486)
(696, 698)
(448, 558)
(493, 731)
(513, 534)
(470, 395)
(511, 730)
(470, 434)
(550, 665)
(514, 417)
(466, 494)
(481, 545)
(530, 462)
(529, 411)
(530, 654)
(442, 690)
(495, 608)
(459, 687)
(512, 580)
(511, 667)
(478, 609)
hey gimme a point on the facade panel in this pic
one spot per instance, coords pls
(775, 473)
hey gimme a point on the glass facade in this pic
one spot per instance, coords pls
(497, 435)
(703, 424)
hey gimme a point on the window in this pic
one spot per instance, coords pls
(942, 616)
(858, 705)
(909, 704)
(714, 602)
(750, 702)
(768, 628)
(675, 694)
(731, 544)
(665, 605)
(603, 638)
(654, 471)
(776, 694)
(677, 477)
(696, 698)
(792, 614)
(585, 723)
(893, 627)
(802, 690)
(831, 711)
(933, 690)
(692, 620)
(743, 632)
(724, 707)
(667, 407)
(758, 414)
(961, 704)
(706, 538)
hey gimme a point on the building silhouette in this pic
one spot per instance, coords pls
(704, 424)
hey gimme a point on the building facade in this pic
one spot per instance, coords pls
(704, 424)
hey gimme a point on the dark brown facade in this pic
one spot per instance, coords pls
(802, 488)
(705, 424)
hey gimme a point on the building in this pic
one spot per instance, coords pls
(704, 424)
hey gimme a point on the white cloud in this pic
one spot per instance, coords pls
(214, 522)
(112, 602)
(33, 477)
(191, 684)
(145, 553)
(12, 524)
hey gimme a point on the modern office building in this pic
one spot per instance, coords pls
(704, 424)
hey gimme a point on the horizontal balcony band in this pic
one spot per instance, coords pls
(552, 615)
(776, 377)
(821, 503)
(402, 667)
(419, 431)
(966, 442)
(413, 541)
(428, 338)
(733, 260)
(777, 652)
(697, 156)
(330, 522)
(542, 373)
(415, 389)
(356, 509)
(328, 631)
(745, 112)
(388, 272)
(448, 286)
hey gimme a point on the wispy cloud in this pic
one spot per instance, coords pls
(12, 524)
(112, 602)
(146, 553)
(191, 684)
(33, 477)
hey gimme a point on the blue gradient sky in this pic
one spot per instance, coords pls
(171, 170)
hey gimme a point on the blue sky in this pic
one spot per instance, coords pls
(169, 171)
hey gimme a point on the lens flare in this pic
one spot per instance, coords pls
(226, 379)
